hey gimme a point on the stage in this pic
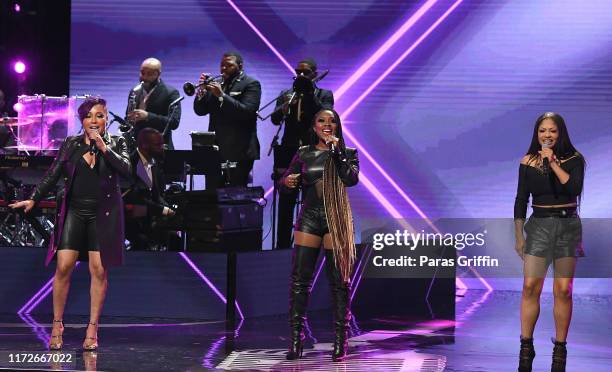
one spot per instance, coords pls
(483, 337)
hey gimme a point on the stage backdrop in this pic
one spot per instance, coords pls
(439, 96)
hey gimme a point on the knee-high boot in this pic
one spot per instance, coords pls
(341, 304)
(304, 261)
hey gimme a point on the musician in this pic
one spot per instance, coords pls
(297, 118)
(146, 190)
(89, 222)
(148, 102)
(324, 169)
(232, 106)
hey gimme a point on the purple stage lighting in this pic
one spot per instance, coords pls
(18, 107)
(208, 282)
(383, 48)
(261, 36)
(17, 8)
(19, 67)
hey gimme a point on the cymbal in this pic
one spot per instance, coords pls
(14, 122)
(23, 148)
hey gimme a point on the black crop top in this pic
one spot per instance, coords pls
(309, 163)
(548, 190)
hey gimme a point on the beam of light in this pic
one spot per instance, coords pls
(261, 36)
(41, 332)
(25, 308)
(208, 282)
(383, 49)
(40, 295)
(352, 107)
(345, 86)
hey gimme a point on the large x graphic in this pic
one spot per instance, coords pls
(350, 82)
(339, 93)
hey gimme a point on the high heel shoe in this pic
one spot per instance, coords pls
(526, 355)
(559, 356)
(60, 342)
(94, 345)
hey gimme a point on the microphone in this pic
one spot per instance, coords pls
(545, 163)
(92, 146)
(321, 77)
(332, 146)
(138, 87)
(176, 101)
(118, 119)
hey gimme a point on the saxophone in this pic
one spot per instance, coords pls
(128, 130)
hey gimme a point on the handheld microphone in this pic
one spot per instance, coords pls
(92, 144)
(118, 118)
(330, 142)
(545, 162)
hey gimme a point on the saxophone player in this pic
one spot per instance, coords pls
(149, 102)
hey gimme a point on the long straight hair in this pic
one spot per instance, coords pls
(337, 207)
(563, 148)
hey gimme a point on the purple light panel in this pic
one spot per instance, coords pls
(208, 282)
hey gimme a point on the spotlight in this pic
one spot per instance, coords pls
(18, 107)
(17, 8)
(19, 67)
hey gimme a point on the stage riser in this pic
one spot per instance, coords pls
(161, 284)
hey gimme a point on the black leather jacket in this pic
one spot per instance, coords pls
(109, 219)
(309, 162)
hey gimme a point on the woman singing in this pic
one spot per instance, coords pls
(89, 223)
(553, 173)
(324, 170)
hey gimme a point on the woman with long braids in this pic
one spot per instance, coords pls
(324, 170)
(552, 171)
(89, 223)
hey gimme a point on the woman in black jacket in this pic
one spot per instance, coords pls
(89, 223)
(552, 172)
(323, 169)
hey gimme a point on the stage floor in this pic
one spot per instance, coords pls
(484, 337)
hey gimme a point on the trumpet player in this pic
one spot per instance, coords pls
(232, 105)
(149, 102)
(297, 116)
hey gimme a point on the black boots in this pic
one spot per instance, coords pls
(304, 261)
(341, 306)
(559, 356)
(526, 355)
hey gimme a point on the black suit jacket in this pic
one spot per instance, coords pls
(157, 107)
(234, 121)
(139, 192)
(297, 131)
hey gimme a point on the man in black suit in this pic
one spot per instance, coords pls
(146, 190)
(297, 117)
(232, 106)
(149, 101)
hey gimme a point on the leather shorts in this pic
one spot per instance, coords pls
(79, 231)
(554, 233)
(312, 220)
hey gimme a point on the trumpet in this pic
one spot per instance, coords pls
(190, 88)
